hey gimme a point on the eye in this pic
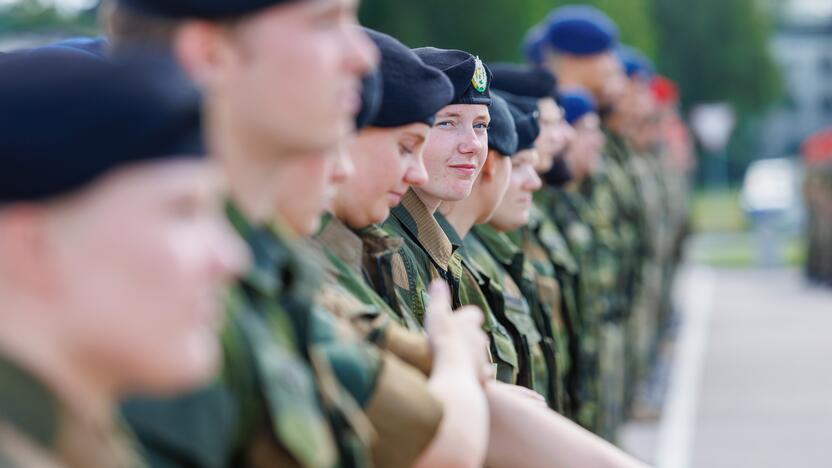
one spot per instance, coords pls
(444, 124)
(481, 126)
(405, 151)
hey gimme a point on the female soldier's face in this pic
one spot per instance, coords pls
(293, 73)
(140, 265)
(513, 212)
(456, 151)
(387, 162)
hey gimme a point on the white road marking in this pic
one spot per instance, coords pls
(677, 430)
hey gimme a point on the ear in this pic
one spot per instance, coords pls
(200, 48)
(24, 249)
(490, 166)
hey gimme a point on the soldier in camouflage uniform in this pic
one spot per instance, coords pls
(403, 406)
(427, 252)
(505, 300)
(278, 401)
(555, 269)
(77, 301)
(578, 45)
(542, 328)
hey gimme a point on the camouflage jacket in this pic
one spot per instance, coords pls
(394, 395)
(517, 303)
(278, 402)
(425, 255)
(477, 289)
(38, 430)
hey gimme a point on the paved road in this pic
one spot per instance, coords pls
(751, 384)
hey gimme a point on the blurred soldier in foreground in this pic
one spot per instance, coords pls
(281, 81)
(112, 241)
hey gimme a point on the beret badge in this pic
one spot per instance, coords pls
(480, 79)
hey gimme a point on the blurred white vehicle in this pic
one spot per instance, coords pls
(772, 199)
(772, 189)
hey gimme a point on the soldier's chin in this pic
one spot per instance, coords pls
(195, 365)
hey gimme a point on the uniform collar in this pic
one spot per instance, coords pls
(28, 405)
(416, 219)
(276, 265)
(500, 246)
(342, 242)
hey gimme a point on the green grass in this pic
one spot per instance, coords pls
(718, 211)
(727, 240)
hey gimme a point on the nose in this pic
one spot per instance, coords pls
(533, 181)
(342, 166)
(360, 53)
(416, 174)
(470, 143)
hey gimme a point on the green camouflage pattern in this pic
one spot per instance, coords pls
(278, 402)
(517, 302)
(38, 430)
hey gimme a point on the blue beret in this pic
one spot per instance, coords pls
(580, 30)
(577, 104)
(95, 46)
(533, 44)
(413, 91)
(371, 95)
(502, 134)
(635, 63)
(527, 127)
(469, 76)
(68, 117)
(523, 80)
(205, 9)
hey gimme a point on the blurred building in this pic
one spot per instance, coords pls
(802, 45)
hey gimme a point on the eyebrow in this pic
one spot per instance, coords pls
(455, 115)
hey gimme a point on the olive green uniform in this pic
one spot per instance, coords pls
(516, 302)
(427, 254)
(38, 430)
(278, 402)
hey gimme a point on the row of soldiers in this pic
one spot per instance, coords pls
(253, 233)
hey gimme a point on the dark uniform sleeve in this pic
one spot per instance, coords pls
(194, 430)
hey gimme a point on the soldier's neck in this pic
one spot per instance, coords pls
(81, 384)
(431, 203)
(250, 170)
(461, 216)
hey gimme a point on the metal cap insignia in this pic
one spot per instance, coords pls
(480, 79)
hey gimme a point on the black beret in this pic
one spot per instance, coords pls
(470, 77)
(371, 95)
(523, 80)
(526, 104)
(527, 126)
(205, 9)
(68, 117)
(560, 174)
(413, 91)
(502, 134)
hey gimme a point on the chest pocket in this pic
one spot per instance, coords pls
(505, 354)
